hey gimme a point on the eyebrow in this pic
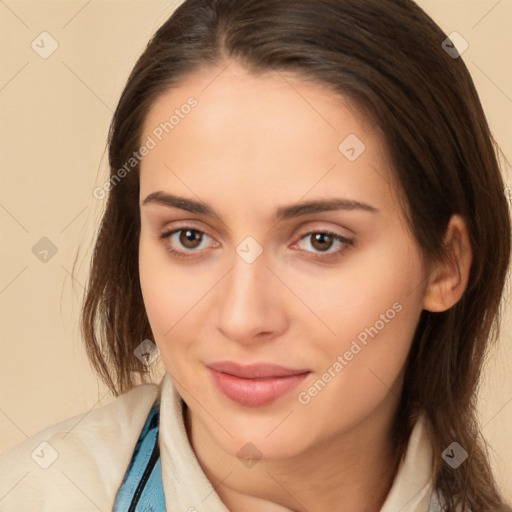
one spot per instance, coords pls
(281, 213)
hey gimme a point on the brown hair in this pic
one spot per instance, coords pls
(387, 57)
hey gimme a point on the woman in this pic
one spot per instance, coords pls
(306, 220)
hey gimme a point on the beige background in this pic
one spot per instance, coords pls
(54, 120)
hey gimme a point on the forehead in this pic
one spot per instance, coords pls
(244, 102)
(266, 135)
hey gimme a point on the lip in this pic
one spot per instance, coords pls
(255, 385)
(255, 371)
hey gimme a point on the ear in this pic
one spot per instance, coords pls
(449, 278)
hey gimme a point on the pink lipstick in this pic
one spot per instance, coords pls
(255, 385)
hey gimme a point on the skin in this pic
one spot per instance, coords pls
(254, 143)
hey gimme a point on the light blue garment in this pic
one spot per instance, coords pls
(142, 490)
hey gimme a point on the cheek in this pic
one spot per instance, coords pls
(360, 370)
(153, 284)
(164, 285)
(161, 291)
(171, 295)
(373, 310)
(378, 288)
(164, 310)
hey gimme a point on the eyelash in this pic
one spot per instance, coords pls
(319, 256)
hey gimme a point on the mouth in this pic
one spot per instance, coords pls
(255, 385)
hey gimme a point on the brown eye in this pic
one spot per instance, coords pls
(322, 241)
(184, 242)
(190, 238)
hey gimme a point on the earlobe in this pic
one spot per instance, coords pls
(449, 278)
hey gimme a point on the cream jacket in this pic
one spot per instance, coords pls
(79, 463)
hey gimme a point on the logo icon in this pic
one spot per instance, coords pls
(351, 147)
(44, 250)
(44, 455)
(454, 455)
(44, 45)
(147, 352)
(249, 454)
(249, 249)
(455, 45)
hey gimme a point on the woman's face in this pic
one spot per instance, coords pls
(306, 262)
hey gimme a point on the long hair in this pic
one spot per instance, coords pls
(390, 58)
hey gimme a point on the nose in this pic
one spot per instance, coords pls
(251, 306)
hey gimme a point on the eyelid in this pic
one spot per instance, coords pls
(184, 225)
(324, 229)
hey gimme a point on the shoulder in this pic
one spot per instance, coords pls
(80, 460)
